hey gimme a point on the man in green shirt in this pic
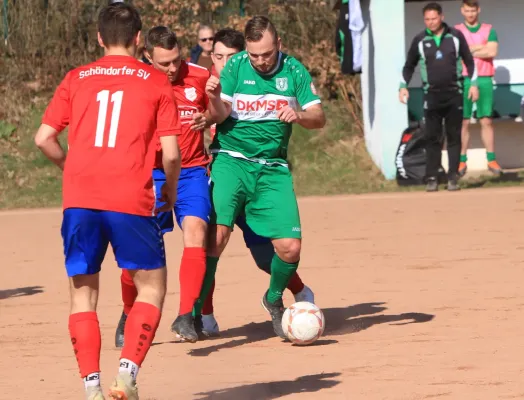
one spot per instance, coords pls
(483, 43)
(262, 90)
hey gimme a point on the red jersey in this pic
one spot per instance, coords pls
(190, 94)
(116, 109)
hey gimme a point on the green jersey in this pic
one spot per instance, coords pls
(253, 131)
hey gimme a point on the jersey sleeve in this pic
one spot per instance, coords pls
(57, 112)
(493, 37)
(167, 123)
(306, 92)
(228, 79)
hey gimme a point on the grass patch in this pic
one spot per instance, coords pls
(329, 161)
(333, 160)
(27, 178)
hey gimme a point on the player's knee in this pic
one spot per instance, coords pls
(486, 122)
(288, 249)
(194, 231)
(218, 236)
(84, 293)
(151, 286)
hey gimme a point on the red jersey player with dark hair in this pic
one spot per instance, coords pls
(193, 206)
(117, 110)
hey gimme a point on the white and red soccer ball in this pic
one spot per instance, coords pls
(303, 323)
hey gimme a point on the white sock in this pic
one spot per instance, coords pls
(92, 380)
(130, 367)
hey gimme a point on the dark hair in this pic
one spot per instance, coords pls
(257, 26)
(230, 38)
(471, 3)
(160, 36)
(119, 24)
(432, 7)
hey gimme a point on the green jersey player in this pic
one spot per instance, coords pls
(264, 92)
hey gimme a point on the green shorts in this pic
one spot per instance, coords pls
(264, 193)
(485, 100)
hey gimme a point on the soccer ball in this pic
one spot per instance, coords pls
(303, 323)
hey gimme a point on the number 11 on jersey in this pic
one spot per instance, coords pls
(102, 97)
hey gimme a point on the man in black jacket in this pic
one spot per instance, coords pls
(440, 50)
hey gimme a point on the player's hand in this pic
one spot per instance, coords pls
(403, 95)
(473, 93)
(198, 122)
(168, 196)
(288, 114)
(213, 87)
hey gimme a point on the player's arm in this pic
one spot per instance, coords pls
(203, 120)
(221, 91)
(54, 121)
(467, 57)
(168, 128)
(488, 50)
(412, 59)
(311, 116)
(46, 139)
(171, 161)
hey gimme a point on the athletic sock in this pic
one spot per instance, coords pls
(463, 158)
(92, 380)
(490, 156)
(295, 284)
(84, 330)
(281, 273)
(209, 277)
(208, 302)
(192, 272)
(141, 326)
(129, 291)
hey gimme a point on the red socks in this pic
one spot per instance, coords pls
(129, 291)
(208, 304)
(85, 337)
(295, 284)
(192, 271)
(141, 326)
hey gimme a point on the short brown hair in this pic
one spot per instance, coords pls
(257, 26)
(471, 3)
(432, 7)
(160, 36)
(119, 24)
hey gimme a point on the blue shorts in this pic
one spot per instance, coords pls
(193, 199)
(136, 240)
(250, 237)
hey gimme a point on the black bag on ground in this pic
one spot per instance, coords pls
(411, 157)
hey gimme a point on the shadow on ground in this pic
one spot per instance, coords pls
(339, 321)
(484, 180)
(19, 292)
(273, 390)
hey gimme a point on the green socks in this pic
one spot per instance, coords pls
(489, 155)
(281, 272)
(209, 277)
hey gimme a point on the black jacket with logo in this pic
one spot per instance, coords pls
(440, 63)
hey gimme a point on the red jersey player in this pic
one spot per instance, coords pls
(193, 206)
(108, 192)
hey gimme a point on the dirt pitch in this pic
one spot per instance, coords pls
(422, 293)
